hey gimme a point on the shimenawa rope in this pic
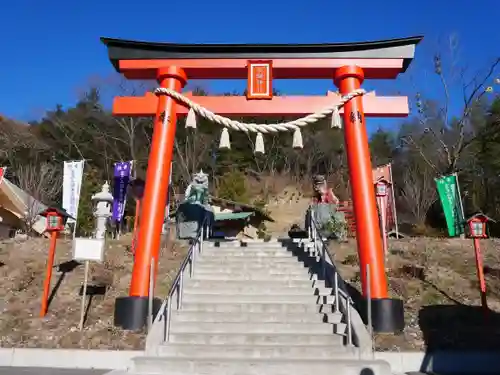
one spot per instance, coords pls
(295, 125)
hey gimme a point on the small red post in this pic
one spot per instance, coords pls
(48, 273)
(381, 187)
(480, 273)
(54, 224)
(477, 230)
(369, 241)
(382, 203)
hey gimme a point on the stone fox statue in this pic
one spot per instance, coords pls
(197, 190)
(195, 209)
(323, 194)
(326, 208)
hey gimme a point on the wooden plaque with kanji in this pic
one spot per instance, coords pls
(260, 80)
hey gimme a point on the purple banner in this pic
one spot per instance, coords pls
(121, 180)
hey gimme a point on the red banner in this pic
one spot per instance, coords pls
(385, 172)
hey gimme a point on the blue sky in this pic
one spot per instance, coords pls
(50, 49)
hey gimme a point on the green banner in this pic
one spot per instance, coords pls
(449, 194)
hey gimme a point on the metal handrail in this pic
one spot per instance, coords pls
(165, 312)
(339, 285)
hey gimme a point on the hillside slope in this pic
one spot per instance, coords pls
(22, 271)
(287, 208)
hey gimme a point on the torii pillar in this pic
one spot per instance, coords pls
(347, 63)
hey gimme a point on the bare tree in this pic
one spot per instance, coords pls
(118, 138)
(452, 135)
(41, 183)
(17, 138)
(267, 161)
(191, 151)
(193, 146)
(418, 192)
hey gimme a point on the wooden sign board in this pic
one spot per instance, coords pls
(260, 80)
(88, 249)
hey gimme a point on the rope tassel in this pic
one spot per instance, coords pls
(225, 143)
(336, 120)
(191, 119)
(297, 139)
(259, 144)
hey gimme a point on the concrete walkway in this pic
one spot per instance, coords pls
(48, 371)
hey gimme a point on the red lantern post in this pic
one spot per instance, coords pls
(55, 223)
(381, 190)
(477, 230)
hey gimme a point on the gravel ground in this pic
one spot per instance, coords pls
(22, 271)
(436, 279)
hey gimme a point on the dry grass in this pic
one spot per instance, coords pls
(287, 200)
(436, 279)
(287, 209)
(22, 271)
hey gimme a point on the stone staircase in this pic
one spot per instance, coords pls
(253, 310)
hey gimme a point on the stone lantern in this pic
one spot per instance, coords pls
(102, 210)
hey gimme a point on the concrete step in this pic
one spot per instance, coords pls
(257, 298)
(270, 307)
(263, 328)
(262, 245)
(252, 272)
(246, 244)
(271, 339)
(246, 253)
(251, 267)
(249, 351)
(255, 317)
(246, 248)
(226, 366)
(257, 290)
(230, 259)
(248, 276)
(251, 263)
(271, 283)
(222, 259)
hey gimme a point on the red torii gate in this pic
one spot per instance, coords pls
(348, 64)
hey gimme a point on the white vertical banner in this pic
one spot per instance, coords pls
(72, 184)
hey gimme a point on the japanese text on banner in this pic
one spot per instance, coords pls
(122, 175)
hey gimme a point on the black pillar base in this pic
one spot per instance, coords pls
(131, 313)
(387, 314)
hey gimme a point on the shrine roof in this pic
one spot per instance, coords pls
(240, 207)
(402, 48)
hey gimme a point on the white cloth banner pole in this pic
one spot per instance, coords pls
(79, 177)
(72, 183)
(67, 190)
(395, 215)
(461, 202)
